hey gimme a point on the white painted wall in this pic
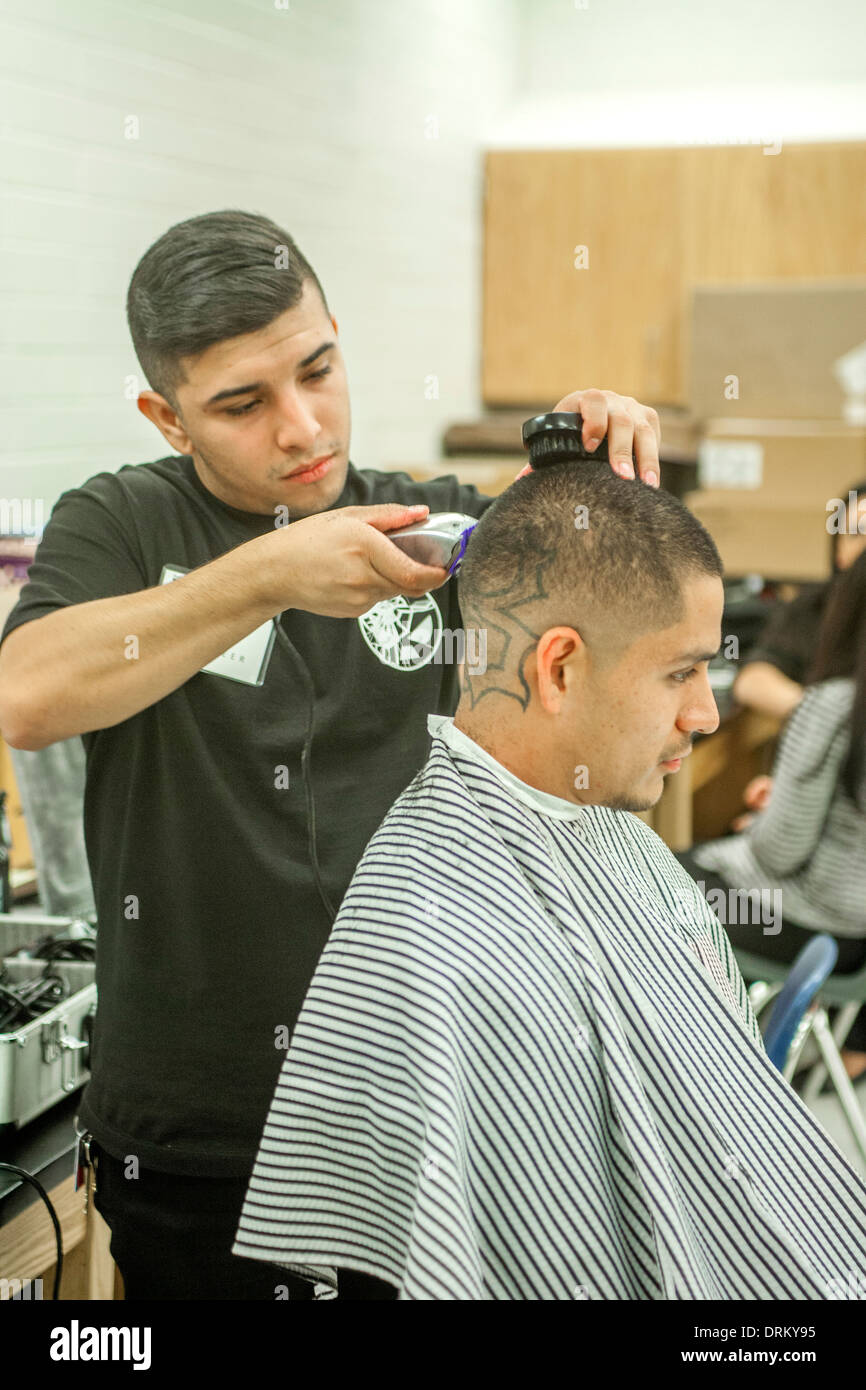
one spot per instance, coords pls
(627, 73)
(320, 115)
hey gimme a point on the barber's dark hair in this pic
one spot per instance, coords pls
(841, 652)
(630, 561)
(207, 279)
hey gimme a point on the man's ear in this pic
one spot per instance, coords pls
(556, 647)
(167, 421)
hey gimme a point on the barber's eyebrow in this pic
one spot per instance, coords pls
(259, 385)
(692, 658)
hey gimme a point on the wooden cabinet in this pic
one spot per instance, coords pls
(654, 223)
(22, 853)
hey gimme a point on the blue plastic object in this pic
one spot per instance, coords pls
(809, 971)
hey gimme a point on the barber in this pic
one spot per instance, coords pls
(215, 625)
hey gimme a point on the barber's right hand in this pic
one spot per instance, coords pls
(339, 563)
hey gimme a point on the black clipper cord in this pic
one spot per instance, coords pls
(305, 765)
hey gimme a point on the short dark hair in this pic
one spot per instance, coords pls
(574, 545)
(207, 279)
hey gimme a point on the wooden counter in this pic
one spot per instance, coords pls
(45, 1147)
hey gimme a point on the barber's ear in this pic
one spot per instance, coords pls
(167, 421)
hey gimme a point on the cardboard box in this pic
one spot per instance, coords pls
(756, 535)
(779, 340)
(793, 462)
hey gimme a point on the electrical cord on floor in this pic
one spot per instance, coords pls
(305, 767)
(28, 1177)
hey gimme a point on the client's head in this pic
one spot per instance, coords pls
(601, 604)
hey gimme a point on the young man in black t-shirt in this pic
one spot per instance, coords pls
(231, 632)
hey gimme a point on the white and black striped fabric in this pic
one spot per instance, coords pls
(810, 842)
(527, 1068)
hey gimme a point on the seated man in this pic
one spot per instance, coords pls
(527, 1067)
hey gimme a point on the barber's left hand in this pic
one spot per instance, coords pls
(631, 428)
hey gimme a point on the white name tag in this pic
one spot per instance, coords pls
(248, 659)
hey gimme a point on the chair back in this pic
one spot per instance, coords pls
(810, 969)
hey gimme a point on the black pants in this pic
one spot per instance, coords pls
(786, 944)
(171, 1237)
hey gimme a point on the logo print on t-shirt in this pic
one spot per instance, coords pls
(404, 633)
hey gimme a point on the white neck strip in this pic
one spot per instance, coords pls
(443, 726)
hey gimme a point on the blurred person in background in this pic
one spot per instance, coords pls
(809, 841)
(772, 674)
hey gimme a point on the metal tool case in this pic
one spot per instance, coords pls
(43, 1060)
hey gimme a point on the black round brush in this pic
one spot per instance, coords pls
(556, 438)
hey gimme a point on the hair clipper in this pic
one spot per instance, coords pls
(439, 540)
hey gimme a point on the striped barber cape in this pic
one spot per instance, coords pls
(527, 1068)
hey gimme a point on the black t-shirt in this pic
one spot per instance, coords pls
(210, 922)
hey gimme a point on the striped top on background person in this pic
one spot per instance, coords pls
(810, 842)
(527, 1068)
